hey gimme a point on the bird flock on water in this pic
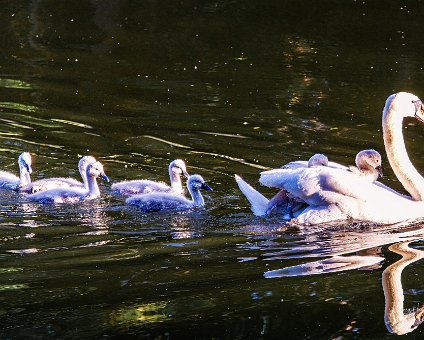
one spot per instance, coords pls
(313, 191)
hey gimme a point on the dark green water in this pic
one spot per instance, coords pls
(230, 87)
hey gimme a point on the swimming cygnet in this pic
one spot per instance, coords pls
(156, 201)
(61, 182)
(21, 183)
(368, 165)
(74, 194)
(176, 169)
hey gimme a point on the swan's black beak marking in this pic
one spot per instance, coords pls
(105, 178)
(379, 170)
(206, 186)
(419, 110)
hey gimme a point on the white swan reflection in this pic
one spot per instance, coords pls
(361, 251)
(397, 321)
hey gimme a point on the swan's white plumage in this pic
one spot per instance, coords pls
(157, 201)
(23, 182)
(258, 202)
(176, 169)
(73, 194)
(260, 205)
(334, 194)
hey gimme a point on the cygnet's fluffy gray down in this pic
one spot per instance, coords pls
(74, 194)
(368, 165)
(176, 169)
(157, 201)
(65, 182)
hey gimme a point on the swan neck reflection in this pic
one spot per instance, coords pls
(396, 320)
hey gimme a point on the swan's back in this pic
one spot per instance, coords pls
(54, 183)
(143, 186)
(59, 195)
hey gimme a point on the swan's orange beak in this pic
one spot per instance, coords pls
(419, 110)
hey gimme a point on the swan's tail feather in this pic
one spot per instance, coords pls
(259, 203)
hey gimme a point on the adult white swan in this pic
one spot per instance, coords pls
(336, 194)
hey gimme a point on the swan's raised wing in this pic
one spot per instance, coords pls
(326, 185)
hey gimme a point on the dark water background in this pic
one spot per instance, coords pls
(230, 87)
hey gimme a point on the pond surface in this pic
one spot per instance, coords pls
(231, 87)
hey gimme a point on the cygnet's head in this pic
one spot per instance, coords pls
(369, 159)
(96, 170)
(318, 160)
(178, 168)
(196, 182)
(25, 161)
(83, 163)
(405, 104)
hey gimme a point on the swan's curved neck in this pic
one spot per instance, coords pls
(396, 321)
(394, 143)
(93, 187)
(197, 197)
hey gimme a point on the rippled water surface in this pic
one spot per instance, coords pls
(231, 87)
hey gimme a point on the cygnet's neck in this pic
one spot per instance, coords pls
(366, 172)
(24, 176)
(93, 187)
(370, 173)
(197, 197)
(176, 184)
(84, 179)
(394, 144)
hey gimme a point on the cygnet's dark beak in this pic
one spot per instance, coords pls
(206, 186)
(379, 170)
(185, 173)
(104, 177)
